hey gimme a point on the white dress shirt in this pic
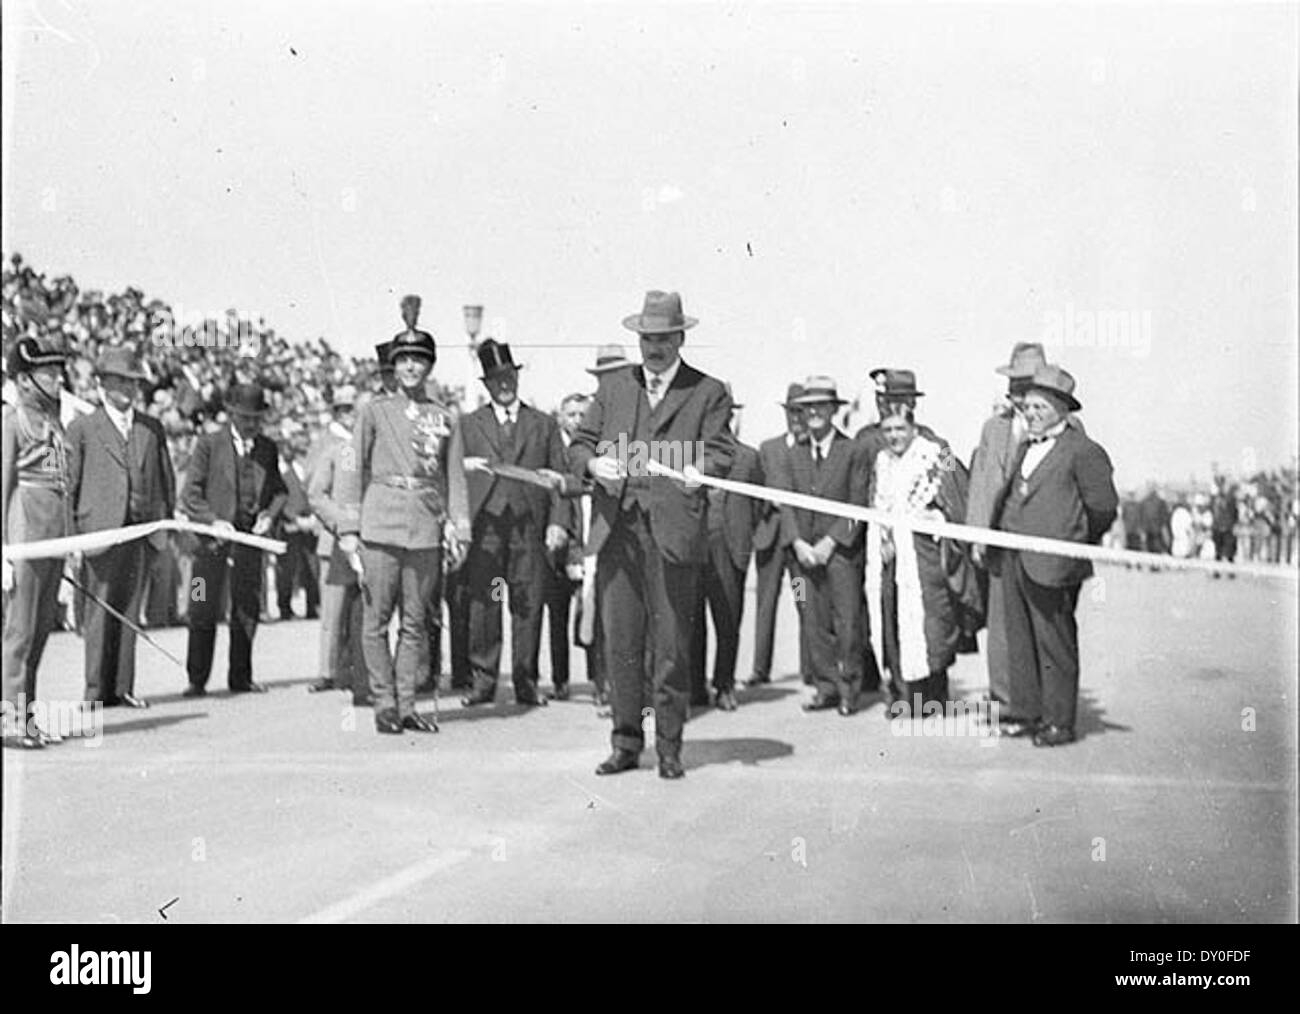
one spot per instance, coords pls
(506, 414)
(1039, 447)
(665, 381)
(822, 446)
(122, 420)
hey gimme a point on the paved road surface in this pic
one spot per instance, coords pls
(288, 807)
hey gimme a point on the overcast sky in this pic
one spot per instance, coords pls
(831, 188)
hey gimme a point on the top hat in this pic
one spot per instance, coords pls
(661, 314)
(415, 342)
(32, 353)
(1058, 382)
(1026, 357)
(120, 361)
(791, 394)
(345, 396)
(895, 383)
(817, 390)
(494, 357)
(609, 357)
(381, 353)
(248, 399)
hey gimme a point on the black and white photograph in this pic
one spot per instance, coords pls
(651, 464)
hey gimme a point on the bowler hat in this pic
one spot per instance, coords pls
(246, 398)
(661, 314)
(1056, 381)
(120, 361)
(1026, 357)
(494, 357)
(420, 343)
(32, 353)
(895, 383)
(817, 390)
(609, 357)
(791, 394)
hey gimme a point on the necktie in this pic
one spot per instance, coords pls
(508, 427)
(654, 384)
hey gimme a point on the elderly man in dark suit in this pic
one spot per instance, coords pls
(1061, 487)
(649, 531)
(771, 554)
(298, 528)
(119, 473)
(233, 481)
(731, 521)
(827, 549)
(513, 525)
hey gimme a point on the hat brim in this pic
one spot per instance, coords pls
(899, 395)
(503, 368)
(815, 399)
(636, 323)
(596, 371)
(1071, 402)
(410, 350)
(1012, 373)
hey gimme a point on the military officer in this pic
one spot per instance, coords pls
(399, 503)
(35, 507)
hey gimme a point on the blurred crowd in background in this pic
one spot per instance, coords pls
(191, 362)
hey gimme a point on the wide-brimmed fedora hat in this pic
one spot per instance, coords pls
(120, 361)
(381, 353)
(609, 357)
(345, 396)
(32, 353)
(661, 314)
(415, 342)
(892, 383)
(1058, 382)
(1026, 358)
(248, 399)
(494, 357)
(817, 390)
(791, 393)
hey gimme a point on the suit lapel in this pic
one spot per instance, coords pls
(674, 398)
(801, 466)
(110, 437)
(491, 429)
(1051, 460)
(523, 425)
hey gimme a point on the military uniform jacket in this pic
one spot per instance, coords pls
(34, 476)
(397, 488)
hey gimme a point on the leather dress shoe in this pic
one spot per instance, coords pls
(321, 685)
(560, 692)
(427, 687)
(131, 701)
(725, 700)
(757, 681)
(846, 709)
(477, 697)
(418, 723)
(700, 700)
(671, 767)
(1054, 735)
(388, 722)
(251, 688)
(194, 690)
(23, 742)
(820, 703)
(618, 761)
(48, 738)
(362, 700)
(529, 698)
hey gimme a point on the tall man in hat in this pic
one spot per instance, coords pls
(34, 493)
(400, 503)
(1000, 442)
(648, 531)
(119, 473)
(233, 481)
(514, 525)
(772, 557)
(1061, 487)
(341, 666)
(731, 520)
(828, 550)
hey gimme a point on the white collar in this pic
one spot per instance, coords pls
(339, 430)
(824, 445)
(1053, 433)
(667, 375)
(500, 410)
(122, 420)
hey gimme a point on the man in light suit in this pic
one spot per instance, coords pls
(232, 481)
(648, 531)
(119, 473)
(828, 550)
(771, 554)
(731, 521)
(513, 525)
(1062, 487)
(342, 665)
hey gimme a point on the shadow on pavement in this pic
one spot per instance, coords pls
(696, 753)
(764, 693)
(143, 724)
(1090, 718)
